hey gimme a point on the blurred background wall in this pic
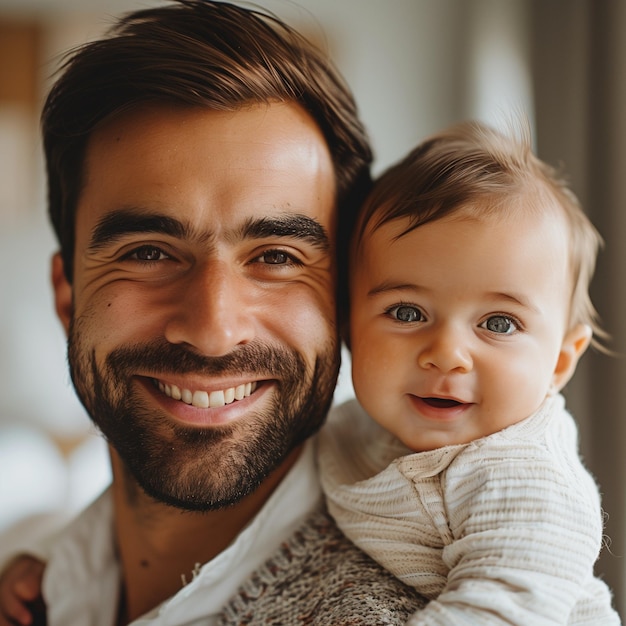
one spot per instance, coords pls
(415, 67)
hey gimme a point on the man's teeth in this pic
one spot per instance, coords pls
(205, 399)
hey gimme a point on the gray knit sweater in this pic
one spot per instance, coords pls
(319, 578)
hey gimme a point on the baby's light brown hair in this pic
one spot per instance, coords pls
(472, 167)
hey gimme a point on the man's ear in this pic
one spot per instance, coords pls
(62, 292)
(574, 344)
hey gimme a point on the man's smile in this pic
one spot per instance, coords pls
(205, 399)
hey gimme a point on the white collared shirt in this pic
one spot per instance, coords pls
(81, 582)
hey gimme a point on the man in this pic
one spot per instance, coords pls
(203, 162)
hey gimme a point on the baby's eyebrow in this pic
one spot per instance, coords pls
(389, 286)
(518, 299)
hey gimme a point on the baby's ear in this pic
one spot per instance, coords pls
(575, 342)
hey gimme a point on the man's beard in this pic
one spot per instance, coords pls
(206, 468)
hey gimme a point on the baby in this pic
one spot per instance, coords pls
(469, 311)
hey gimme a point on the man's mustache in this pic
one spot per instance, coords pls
(161, 357)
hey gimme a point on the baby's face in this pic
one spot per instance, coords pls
(459, 328)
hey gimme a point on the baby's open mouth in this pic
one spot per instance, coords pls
(441, 403)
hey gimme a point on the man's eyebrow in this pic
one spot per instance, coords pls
(295, 226)
(120, 223)
(115, 225)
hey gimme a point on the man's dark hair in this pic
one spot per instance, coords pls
(198, 53)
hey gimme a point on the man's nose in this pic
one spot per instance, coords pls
(214, 310)
(447, 349)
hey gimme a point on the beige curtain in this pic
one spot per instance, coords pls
(579, 81)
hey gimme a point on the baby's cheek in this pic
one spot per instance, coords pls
(371, 365)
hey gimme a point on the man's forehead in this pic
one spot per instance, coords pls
(266, 159)
(286, 122)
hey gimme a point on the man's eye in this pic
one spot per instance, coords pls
(405, 313)
(276, 257)
(148, 254)
(500, 324)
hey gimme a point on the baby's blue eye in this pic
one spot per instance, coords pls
(406, 313)
(500, 324)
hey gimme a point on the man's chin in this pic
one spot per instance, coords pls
(204, 469)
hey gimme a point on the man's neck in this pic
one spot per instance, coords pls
(159, 547)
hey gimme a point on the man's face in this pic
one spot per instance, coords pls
(202, 335)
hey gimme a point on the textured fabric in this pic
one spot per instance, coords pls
(81, 581)
(319, 578)
(503, 530)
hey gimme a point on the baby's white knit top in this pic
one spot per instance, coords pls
(503, 530)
